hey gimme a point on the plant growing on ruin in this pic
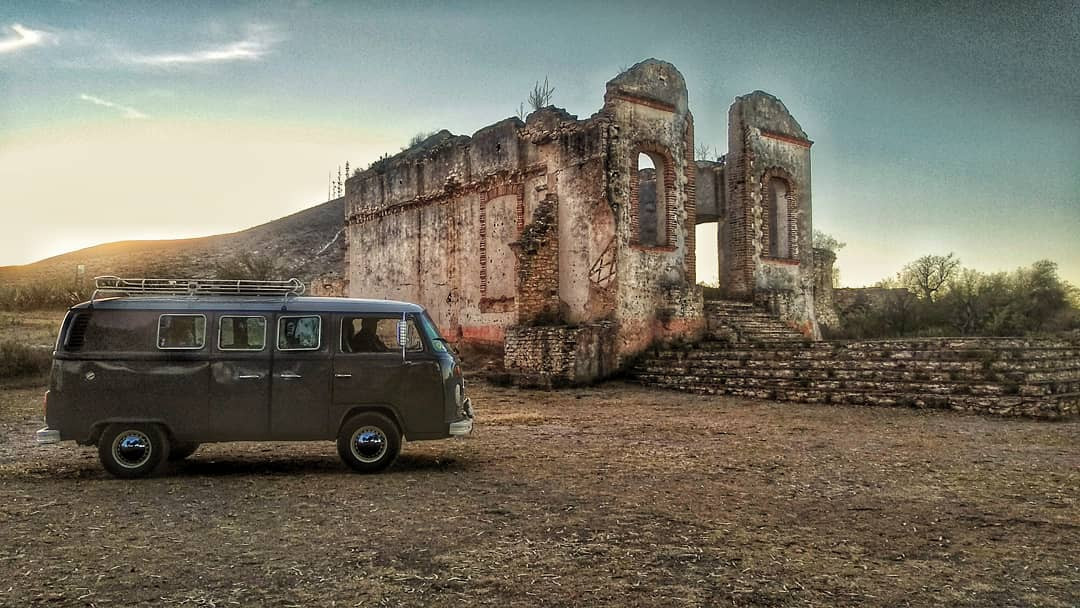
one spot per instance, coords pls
(827, 241)
(418, 139)
(540, 96)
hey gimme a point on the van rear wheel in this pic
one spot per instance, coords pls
(132, 450)
(369, 442)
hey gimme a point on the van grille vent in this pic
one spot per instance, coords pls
(77, 334)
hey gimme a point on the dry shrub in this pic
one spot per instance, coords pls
(20, 361)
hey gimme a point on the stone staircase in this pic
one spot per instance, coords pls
(1003, 376)
(739, 322)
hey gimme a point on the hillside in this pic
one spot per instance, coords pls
(306, 244)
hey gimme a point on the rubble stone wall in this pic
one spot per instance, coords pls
(560, 355)
(824, 306)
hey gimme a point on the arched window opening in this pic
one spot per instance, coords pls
(651, 207)
(779, 219)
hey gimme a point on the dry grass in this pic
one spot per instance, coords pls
(26, 344)
(31, 328)
(613, 496)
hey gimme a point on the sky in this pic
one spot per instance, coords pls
(938, 127)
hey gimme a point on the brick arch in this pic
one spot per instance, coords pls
(665, 241)
(792, 197)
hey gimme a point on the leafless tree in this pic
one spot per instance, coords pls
(928, 274)
(705, 152)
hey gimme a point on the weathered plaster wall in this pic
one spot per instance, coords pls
(440, 224)
(766, 143)
(538, 223)
(657, 293)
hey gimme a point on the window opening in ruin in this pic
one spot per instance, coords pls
(779, 219)
(706, 260)
(651, 202)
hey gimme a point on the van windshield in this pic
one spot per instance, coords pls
(438, 343)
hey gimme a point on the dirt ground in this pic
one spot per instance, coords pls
(614, 495)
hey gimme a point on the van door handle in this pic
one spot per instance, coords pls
(248, 377)
(289, 376)
(343, 375)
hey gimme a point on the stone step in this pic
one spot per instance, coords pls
(758, 359)
(829, 372)
(672, 377)
(824, 351)
(1056, 406)
(995, 345)
(748, 316)
(728, 304)
(760, 327)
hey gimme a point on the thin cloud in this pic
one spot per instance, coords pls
(128, 111)
(258, 42)
(23, 37)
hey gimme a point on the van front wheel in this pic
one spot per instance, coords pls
(369, 442)
(132, 450)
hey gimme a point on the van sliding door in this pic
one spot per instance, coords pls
(240, 378)
(300, 385)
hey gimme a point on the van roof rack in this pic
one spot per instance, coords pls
(195, 287)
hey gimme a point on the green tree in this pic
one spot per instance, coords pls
(927, 275)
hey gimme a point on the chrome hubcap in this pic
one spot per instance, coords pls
(131, 449)
(368, 444)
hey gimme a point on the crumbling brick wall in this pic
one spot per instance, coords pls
(537, 254)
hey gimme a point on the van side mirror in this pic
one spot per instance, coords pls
(402, 333)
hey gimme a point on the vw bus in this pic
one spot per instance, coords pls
(149, 369)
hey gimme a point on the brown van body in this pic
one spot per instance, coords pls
(112, 365)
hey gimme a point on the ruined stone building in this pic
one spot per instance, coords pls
(571, 241)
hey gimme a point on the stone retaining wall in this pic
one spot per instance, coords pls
(1003, 376)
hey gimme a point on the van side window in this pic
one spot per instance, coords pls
(181, 332)
(299, 333)
(241, 333)
(377, 335)
(112, 331)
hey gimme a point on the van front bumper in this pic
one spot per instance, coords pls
(464, 426)
(47, 435)
(461, 427)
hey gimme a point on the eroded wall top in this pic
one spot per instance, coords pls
(761, 110)
(650, 80)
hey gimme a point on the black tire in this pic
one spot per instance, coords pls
(369, 442)
(129, 450)
(180, 451)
